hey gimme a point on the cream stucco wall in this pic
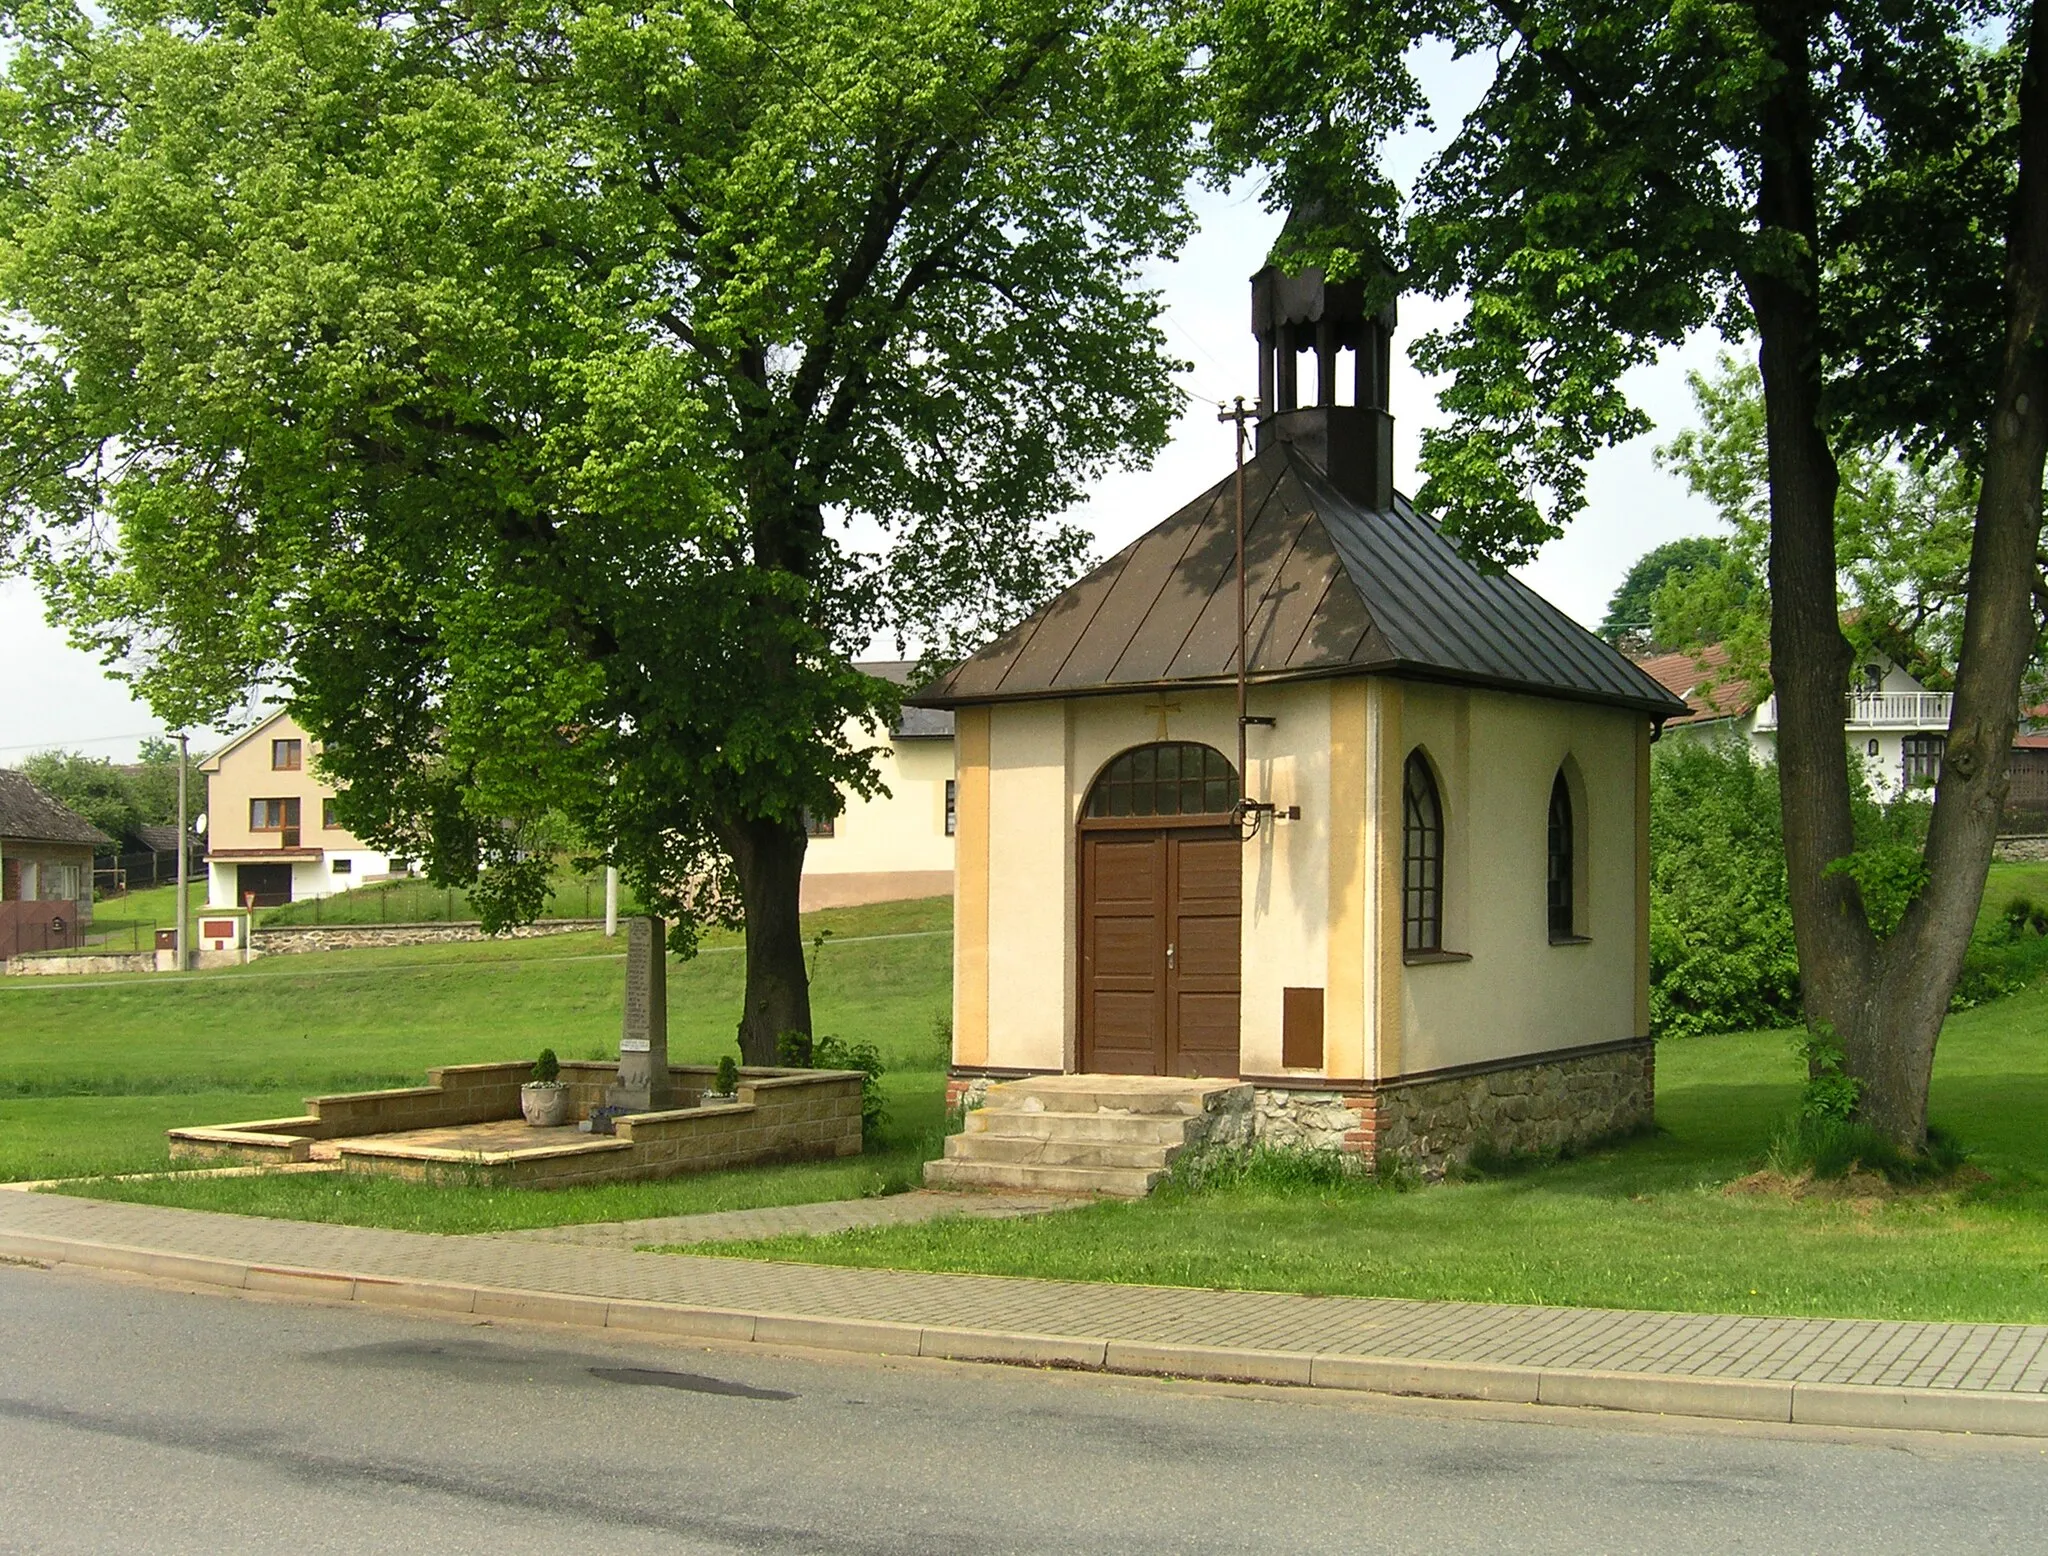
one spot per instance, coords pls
(1321, 903)
(1496, 757)
(241, 772)
(901, 831)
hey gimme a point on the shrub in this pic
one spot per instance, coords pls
(800, 1051)
(832, 1053)
(727, 1081)
(1722, 957)
(1721, 952)
(547, 1069)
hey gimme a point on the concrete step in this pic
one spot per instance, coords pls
(1123, 1128)
(1136, 1094)
(1120, 1182)
(1057, 1151)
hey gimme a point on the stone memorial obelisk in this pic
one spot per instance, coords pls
(643, 1039)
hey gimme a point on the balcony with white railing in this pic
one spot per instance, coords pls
(1881, 710)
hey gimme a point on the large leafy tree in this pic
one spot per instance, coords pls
(1902, 536)
(1702, 560)
(556, 400)
(1855, 185)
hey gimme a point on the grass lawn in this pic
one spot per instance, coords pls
(1652, 1224)
(93, 1070)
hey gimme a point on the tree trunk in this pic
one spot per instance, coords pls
(1919, 965)
(1884, 1002)
(769, 858)
(1809, 656)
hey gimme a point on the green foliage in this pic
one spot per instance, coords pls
(1829, 1094)
(92, 786)
(1632, 613)
(547, 1069)
(1902, 538)
(1722, 957)
(1721, 951)
(555, 401)
(1599, 203)
(727, 1081)
(1888, 876)
(793, 1050)
(832, 1053)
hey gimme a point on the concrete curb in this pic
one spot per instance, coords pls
(1733, 1399)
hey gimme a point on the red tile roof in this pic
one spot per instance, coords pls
(1703, 678)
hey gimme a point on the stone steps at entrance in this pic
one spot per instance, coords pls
(1120, 1128)
(1055, 1151)
(1118, 1182)
(1087, 1134)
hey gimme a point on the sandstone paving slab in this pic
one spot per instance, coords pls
(815, 1220)
(1404, 1345)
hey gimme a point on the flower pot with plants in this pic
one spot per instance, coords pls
(725, 1085)
(545, 1099)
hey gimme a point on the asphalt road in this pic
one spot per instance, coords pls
(134, 1417)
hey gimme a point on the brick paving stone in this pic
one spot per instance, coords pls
(1957, 1358)
(795, 1220)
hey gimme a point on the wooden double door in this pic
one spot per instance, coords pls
(1160, 949)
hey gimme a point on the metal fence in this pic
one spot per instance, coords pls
(115, 875)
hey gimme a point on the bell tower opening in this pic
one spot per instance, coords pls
(1305, 328)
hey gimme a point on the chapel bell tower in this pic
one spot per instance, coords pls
(1352, 443)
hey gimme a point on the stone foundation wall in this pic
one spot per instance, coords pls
(1432, 1121)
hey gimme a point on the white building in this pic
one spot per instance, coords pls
(271, 832)
(896, 845)
(1896, 726)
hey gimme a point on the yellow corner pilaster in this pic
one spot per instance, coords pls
(970, 887)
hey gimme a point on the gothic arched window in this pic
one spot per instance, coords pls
(1561, 861)
(1422, 858)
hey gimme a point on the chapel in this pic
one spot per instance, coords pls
(1414, 916)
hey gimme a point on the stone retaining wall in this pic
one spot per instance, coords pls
(79, 966)
(779, 1115)
(298, 939)
(2020, 850)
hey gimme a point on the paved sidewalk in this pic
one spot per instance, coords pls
(817, 1220)
(1834, 1372)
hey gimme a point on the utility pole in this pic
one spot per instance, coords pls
(1248, 809)
(184, 853)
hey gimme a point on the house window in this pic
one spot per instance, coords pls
(284, 756)
(952, 806)
(1920, 759)
(1560, 860)
(344, 866)
(61, 883)
(1173, 778)
(818, 826)
(327, 814)
(280, 816)
(1422, 858)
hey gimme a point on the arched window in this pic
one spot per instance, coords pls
(1422, 858)
(1561, 862)
(1172, 778)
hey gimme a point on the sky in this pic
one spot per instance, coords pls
(52, 695)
